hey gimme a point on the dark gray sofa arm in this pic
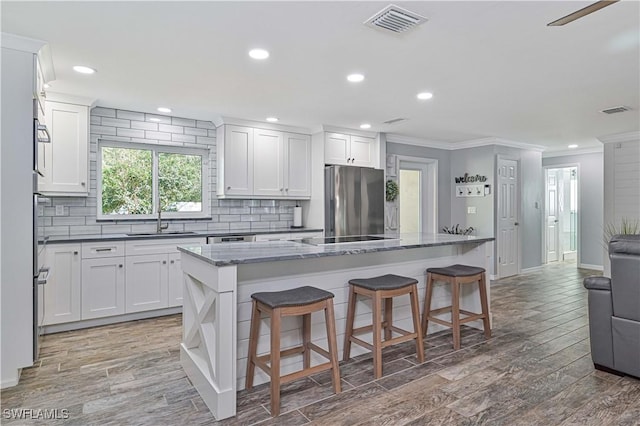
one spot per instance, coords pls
(597, 283)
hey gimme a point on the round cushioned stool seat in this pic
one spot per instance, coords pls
(295, 297)
(383, 282)
(457, 271)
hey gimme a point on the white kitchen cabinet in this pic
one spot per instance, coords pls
(235, 160)
(62, 292)
(350, 150)
(103, 287)
(65, 161)
(302, 235)
(288, 236)
(146, 282)
(262, 163)
(176, 280)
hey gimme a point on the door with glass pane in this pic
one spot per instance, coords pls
(413, 208)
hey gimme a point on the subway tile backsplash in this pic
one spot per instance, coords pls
(79, 213)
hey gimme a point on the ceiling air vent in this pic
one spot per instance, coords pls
(394, 120)
(396, 19)
(615, 110)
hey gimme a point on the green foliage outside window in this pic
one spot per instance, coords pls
(179, 181)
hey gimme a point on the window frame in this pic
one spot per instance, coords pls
(155, 149)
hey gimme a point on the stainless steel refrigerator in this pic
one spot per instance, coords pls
(354, 201)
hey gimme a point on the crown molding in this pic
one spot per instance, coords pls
(621, 137)
(473, 143)
(221, 120)
(26, 44)
(408, 140)
(336, 129)
(567, 152)
(71, 99)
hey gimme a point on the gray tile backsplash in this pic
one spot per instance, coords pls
(79, 213)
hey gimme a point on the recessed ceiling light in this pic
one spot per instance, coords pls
(355, 78)
(83, 70)
(425, 95)
(47, 86)
(155, 119)
(272, 119)
(365, 126)
(164, 109)
(572, 146)
(259, 54)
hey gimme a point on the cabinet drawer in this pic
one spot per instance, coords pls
(273, 237)
(102, 249)
(302, 235)
(166, 246)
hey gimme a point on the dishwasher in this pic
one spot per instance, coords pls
(231, 239)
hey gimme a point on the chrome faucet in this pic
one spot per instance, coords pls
(160, 226)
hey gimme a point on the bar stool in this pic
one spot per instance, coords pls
(277, 304)
(456, 275)
(384, 287)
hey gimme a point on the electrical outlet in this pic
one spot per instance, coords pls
(59, 210)
(471, 210)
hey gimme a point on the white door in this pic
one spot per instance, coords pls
(508, 235)
(62, 291)
(336, 148)
(176, 280)
(552, 228)
(238, 160)
(361, 152)
(146, 282)
(103, 287)
(268, 163)
(297, 159)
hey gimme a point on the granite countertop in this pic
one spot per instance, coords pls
(267, 251)
(59, 239)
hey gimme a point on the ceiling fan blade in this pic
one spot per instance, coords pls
(582, 12)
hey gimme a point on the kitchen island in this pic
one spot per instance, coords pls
(220, 278)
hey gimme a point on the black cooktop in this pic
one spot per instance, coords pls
(348, 239)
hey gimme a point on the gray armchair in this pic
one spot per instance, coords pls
(614, 309)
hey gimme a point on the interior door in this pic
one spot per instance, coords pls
(508, 235)
(551, 213)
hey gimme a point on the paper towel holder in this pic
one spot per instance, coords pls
(297, 217)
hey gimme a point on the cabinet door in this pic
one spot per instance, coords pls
(268, 163)
(66, 157)
(297, 165)
(176, 280)
(237, 160)
(62, 291)
(362, 151)
(146, 282)
(336, 148)
(102, 287)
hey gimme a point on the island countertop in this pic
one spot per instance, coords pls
(268, 251)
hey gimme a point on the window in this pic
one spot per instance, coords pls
(134, 179)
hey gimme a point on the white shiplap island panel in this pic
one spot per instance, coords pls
(220, 278)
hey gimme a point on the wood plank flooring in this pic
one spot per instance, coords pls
(536, 370)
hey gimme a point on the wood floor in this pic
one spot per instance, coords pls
(536, 370)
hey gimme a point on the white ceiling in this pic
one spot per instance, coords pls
(495, 68)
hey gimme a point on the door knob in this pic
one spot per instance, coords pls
(516, 224)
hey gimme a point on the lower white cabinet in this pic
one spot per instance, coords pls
(176, 280)
(62, 291)
(147, 282)
(287, 236)
(102, 287)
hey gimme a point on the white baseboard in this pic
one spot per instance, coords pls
(493, 277)
(96, 322)
(532, 269)
(11, 382)
(593, 267)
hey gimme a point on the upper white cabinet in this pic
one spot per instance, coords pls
(65, 161)
(263, 163)
(350, 150)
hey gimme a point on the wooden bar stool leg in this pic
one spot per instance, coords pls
(388, 317)
(415, 311)
(254, 333)
(377, 338)
(330, 319)
(351, 310)
(306, 338)
(485, 306)
(275, 362)
(455, 312)
(427, 303)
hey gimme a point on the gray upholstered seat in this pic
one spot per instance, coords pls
(295, 297)
(383, 282)
(457, 271)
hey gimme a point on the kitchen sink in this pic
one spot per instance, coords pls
(159, 234)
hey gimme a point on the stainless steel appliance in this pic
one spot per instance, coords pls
(354, 201)
(40, 271)
(231, 239)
